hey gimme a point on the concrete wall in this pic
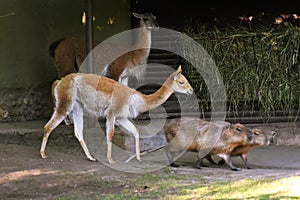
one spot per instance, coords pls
(27, 28)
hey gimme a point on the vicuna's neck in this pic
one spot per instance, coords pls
(159, 97)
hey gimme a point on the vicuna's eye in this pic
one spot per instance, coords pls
(181, 82)
(256, 133)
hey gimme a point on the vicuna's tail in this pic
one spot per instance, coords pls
(53, 47)
(64, 94)
(54, 84)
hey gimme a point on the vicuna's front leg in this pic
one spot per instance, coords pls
(130, 128)
(55, 120)
(110, 131)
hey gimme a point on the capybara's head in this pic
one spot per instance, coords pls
(259, 138)
(237, 134)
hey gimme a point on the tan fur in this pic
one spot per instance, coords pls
(255, 139)
(104, 97)
(69, 53)
(197, 135)
(258, 138)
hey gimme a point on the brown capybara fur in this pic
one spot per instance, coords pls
(258, 138)
(204, 137)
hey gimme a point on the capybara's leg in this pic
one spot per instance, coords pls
(228, 161)
(244, 157)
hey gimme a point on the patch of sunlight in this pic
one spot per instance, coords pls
(285, 188)
(83, 18)
(12, 176)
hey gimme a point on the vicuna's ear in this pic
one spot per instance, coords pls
(179, 69)
(137, 15)
(178, 72)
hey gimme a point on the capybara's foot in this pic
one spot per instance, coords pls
(221, 162)
(174, 165)
(236, 169)
(199, 164)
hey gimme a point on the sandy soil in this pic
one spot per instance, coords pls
(24, 175)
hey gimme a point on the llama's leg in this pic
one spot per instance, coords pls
(129, 127)
(123, 80)
(77, 116)
(110, 131)
(55, 120)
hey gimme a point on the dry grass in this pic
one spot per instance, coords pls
(260, 68)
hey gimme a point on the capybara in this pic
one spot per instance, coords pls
(258, 138)
(204, 137)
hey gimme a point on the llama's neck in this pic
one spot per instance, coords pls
(143, 40)
(159, 97)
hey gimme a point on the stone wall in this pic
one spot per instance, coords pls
(25, 104)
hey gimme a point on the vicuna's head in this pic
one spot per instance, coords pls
(259, 138)
(237, 133)
(178, 83)
(148, 20)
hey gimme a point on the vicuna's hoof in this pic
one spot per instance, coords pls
(43, 155)
(91, 158)
(111, 161)
(236, 169)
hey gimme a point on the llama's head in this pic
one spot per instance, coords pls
(179, 83)
(148, 20)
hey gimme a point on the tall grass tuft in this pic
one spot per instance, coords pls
(260, 68)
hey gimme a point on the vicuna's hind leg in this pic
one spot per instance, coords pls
(110, 132)
(55, 120)
(77, 115)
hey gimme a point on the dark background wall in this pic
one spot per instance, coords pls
(27, 28)
(174, 14)
(32, 25)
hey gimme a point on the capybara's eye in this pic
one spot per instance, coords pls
(238, 129)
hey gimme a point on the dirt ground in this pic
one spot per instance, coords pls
(67, 172)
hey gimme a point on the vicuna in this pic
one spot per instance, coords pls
(69, 53)
(196, 135)
(104, 97)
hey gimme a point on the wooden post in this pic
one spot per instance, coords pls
(89, 32)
